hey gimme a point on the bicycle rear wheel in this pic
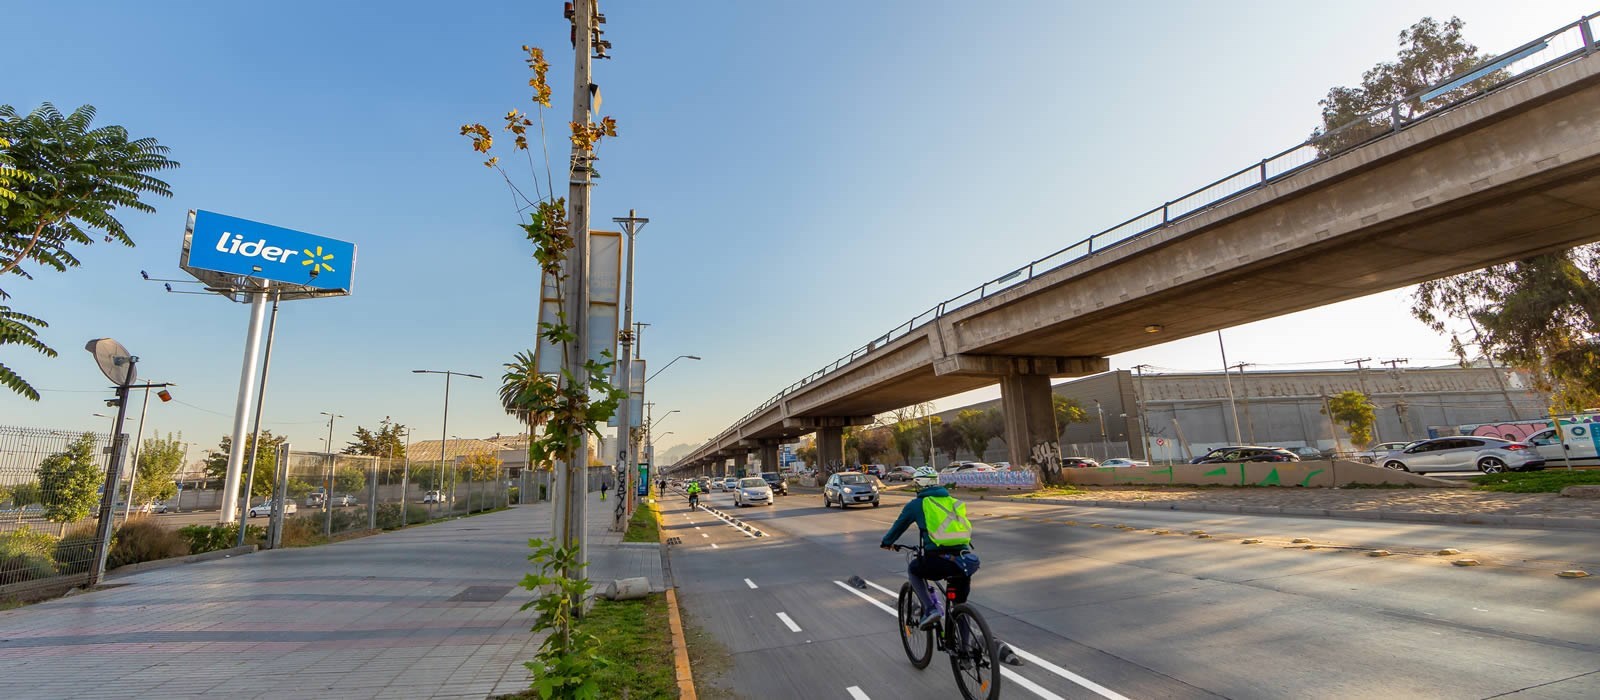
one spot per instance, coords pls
(918, 643)
(972, 656)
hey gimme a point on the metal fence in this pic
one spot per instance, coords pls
(51, 484)
(339, 494)
(1554, 49)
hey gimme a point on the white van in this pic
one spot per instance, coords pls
(1579, 443)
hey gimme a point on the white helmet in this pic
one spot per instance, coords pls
(924, 477)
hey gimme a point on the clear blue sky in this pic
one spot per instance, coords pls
(816, 174)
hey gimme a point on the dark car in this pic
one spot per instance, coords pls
(780, 487)
(1078, 463)
(1306, 452)
(1246, 453)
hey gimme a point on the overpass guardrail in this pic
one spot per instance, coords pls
(1551, 50)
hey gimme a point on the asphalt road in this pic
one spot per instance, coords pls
(1101, 612)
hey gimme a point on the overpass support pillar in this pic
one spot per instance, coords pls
(830, 450)
(740, 460)
(1030, 424)
(769, 455)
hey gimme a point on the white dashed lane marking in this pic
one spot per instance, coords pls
(856, 694)
(792, 626)
(750, 583)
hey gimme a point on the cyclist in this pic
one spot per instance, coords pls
(694, 493)
(946, 540)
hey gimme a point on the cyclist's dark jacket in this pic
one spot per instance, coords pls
(912, 513)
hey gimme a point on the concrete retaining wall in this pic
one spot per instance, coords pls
(1318, 473)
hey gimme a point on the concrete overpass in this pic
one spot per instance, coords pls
(1501, 175)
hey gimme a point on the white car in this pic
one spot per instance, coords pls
(730, 483)
(265, 508)
(433, 497)
(752, 490)
(1466, 453)
(1124, 462)
(1376, 453)
(968, 467)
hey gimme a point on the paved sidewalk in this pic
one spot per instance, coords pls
(426, 612)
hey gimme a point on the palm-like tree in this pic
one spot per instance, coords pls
(61, 185)
(523, 389)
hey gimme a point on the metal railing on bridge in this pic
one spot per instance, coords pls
(1551, 50)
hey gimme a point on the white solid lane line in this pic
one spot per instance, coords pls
(896, 594)
(705, 535)
(1092, 686)
(792, 626)
(750, 583)
(714, 546)
(856, 694)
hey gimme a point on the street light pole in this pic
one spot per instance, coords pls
(631, 224)
(444, 424)
(327, 484)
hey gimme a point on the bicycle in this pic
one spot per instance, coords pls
(963, 634)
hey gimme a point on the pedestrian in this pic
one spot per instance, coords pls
(603, 490)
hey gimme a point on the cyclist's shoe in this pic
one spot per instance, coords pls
(930, 620)
(1007, 656)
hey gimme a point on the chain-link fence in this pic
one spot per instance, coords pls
(330, 495)
(51, 485)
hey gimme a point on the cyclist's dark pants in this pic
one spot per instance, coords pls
(937, 567)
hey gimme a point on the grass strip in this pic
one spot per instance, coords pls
(643, 527)
(1551, 480)
(635, 638)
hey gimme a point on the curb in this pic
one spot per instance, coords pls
(144, 566)
(680, 643)
(1531, 521)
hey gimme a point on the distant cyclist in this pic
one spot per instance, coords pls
(946, 540)
(694, 493)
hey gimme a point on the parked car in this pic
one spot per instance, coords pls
(1246, 453)
(967, 467)
(778, 484)
(1124, 462)
(1078, 463)
(1002, 466)
(344, 499)
(900, 473)
(850, 488)
(432, 497)
(751, 491)
(265, 508)
(1376, 453)
(157, 507)
(1466, 453)
(315, 499)
(877, 470)
(1305, 452)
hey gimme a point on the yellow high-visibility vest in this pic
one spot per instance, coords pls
(947, 521)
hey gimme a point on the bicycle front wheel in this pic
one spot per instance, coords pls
(972, 656)
(918, 643)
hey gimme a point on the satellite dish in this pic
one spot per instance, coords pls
(114, 360)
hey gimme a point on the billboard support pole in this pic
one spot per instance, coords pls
(241, 409)
(255, 433)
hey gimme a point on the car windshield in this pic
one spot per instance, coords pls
(854, 479)
(752, 482)
(770, 476)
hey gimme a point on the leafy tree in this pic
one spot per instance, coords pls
(1540, 315)
(522, 391)
(388, 442)
(924, 437)
(948, 439)
(977, 428)
(1068, 411)
(349, 480)
(69, 481)
(159, 461)
(266, 462)
(480, 466)
(867, 443)
(807, 453)
(1353, 411)
(25, 494)
(1430, 51)
(431, 476)
(61, 185)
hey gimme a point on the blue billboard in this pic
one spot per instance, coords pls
(235, 246)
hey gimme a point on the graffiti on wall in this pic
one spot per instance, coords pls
(1007, 480)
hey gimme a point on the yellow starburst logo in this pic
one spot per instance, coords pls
(318, 261)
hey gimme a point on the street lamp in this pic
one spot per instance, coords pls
(662, 418)
(444, 427)
(669, 364)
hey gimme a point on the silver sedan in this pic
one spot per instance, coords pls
(1465, 453)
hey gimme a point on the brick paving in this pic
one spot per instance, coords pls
(1435, 501)
(425, 612)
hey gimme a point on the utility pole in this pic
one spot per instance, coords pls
(327, 494)
(625, 453)
(1400, 405)
(1138, 401)
(1244, 387)
(573, 475)
(1499, 377)
(1227, 381)
(1361, 378)
(1105, 446)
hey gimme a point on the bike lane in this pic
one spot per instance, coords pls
(846, 644)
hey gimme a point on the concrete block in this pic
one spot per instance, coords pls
(628, 589)
(1584, 491)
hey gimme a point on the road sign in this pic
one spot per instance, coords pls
(234, 246)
